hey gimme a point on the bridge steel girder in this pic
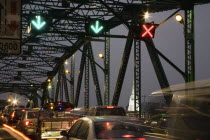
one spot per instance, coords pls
(137, 76)
(65, 86)
(107, 71)
(160, 73)
(80, 76)
(122, 71)
(58, 86)
(86, 81)
(45, 96)
(68, 53)
(95, 76)
(72, 79)
(189, 45)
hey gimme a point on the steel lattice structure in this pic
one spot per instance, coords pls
(44, 53)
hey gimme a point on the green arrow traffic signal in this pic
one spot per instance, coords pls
(97, 27)
(38, 24)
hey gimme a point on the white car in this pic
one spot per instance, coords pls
(106, 127)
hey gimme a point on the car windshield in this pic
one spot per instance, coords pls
(32, 115)
(110, 130)
(110, 111)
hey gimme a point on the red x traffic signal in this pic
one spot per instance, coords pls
(148, 30)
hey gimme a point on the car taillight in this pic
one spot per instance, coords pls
(110, 107)
(140, 139)
(13, 115)
(127, 136)
(28, 123)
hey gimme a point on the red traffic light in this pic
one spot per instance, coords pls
(148, 30)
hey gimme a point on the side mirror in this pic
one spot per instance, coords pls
(63, 133)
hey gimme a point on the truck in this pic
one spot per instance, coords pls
(53, 118)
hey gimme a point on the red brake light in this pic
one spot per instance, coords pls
(27, 123)
(13, 115)
(127, 136)
(23, 110)
(110, 107)
(140, 139)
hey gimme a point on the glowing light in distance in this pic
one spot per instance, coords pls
(49, 86)
(14, 101)
(179, 18)
(101, 55)
(67, 71)
(66, 62)
(110, 107)
(146, 15)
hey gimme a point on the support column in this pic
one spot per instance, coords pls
(79, 80)
(72, 79)
(95, 76)
(65, 86)
(137, 77)
(86, 89)
(122, 71)
(189, 45)
(107, 71)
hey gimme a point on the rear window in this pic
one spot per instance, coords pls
(32, 115)
(110, 111)
(111, 130)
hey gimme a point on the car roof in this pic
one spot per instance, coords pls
(32, 110)
(106, 107)
(109, 118)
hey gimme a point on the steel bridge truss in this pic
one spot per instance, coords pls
(44, 53)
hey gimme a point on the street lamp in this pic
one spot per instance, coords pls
(49, 80)
(179, 18)
(101, 55)
(67, 71)
(14, 102)
(146, 15)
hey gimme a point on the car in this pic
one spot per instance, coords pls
(15, 116)
(107, 127)
(27, 123)
(106, 111)
(188, 114)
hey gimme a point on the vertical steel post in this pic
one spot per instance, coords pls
(53, 89)
(65, 83)
(57, 87)
(72, 79)
(61, 83)
(86, 89)
(95, 76)
(107, 71)
(189, 45)
(137, 76)
(80, 76)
